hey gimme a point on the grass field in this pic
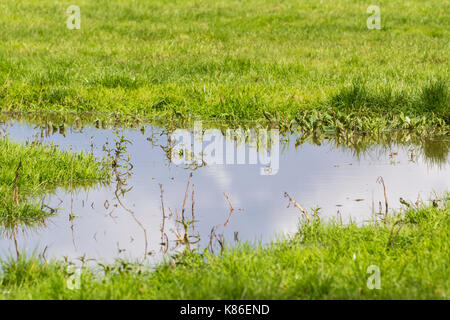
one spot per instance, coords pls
(228, 60)
(322, 261)
(29, 171)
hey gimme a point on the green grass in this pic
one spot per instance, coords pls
(40, 169)
(229, 60)
(309, 64)
(324, 260)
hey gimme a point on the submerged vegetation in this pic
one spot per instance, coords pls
(324, 260)
(31, 170)
(314, 65)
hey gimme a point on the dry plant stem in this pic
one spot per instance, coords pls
(15, 243)
(295, 203)
(219, 238)
(135, 219)
(183, 219)
(211, 237)
(164, 242)
(185, 196)
(381, 181)
(231, 209)
(43, 254)
(182, 224)
(121, 179)
(221, 242)
(116, 193)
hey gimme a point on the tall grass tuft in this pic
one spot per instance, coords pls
(434, 97)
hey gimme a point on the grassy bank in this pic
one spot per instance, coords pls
(322, 261)
(230, 60)
(31, 170)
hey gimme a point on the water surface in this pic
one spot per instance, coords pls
(341, 182)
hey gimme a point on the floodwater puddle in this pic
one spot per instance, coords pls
(136, 215)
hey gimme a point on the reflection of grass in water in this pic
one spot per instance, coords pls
(322, 261)
(29, 171)
(433, 150)
(436, 152)
(27, 219)
(357, 143)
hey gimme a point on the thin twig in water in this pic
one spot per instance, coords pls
(15, 242)
(43, 254)
(221, 242)
(121, 178)
(231, 209)
(164, 241)
(183, 225)
(135, 219)
(220, 238)
(211, 237)
(381, 181)
(299, 207)
(185, 196)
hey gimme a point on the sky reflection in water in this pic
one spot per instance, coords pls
(332, 179)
